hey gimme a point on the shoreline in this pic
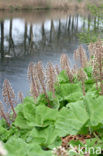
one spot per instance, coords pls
(40, 15)
(46, 5)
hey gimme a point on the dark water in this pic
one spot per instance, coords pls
(23, 41)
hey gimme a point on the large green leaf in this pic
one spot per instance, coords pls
(53, 101)
(32, 115)
(76, 96)
(95, 109)
(47, 137)
(64, 90)
(36, 150)
(27, 100)
(45, 115)
(21, 122)
(72, 120)
(4, 133)
(17, 147)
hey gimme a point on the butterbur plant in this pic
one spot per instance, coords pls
(38, 87)
(51, 77)
(81, 77)
(91, 48)
(96, 74)
(80, 55)
(20, 96)
(41, 77)
(98, 65)
(3, 114)
(72, 124)
(31, 78)
(57, 69)
(75, 69)
(9, 96)
(37, 78)
(65, 65)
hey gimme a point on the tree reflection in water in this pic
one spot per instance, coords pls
(56, 34)
(22, 42)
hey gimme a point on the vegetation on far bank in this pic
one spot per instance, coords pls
(46, 4)
(95, 27)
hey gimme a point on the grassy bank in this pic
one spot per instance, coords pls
(45, 4)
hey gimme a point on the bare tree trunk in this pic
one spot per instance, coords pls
(11, 42)
(31, 39)
(69, 23)
(51, 30)
(95, 23)
(59, 30)
(25, 37)
(2, 39)
(43, 35)
(89, 21)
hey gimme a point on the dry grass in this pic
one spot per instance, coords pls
(44, 4)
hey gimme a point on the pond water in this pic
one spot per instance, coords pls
(36, 37)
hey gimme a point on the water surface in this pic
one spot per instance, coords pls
(36, 38)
